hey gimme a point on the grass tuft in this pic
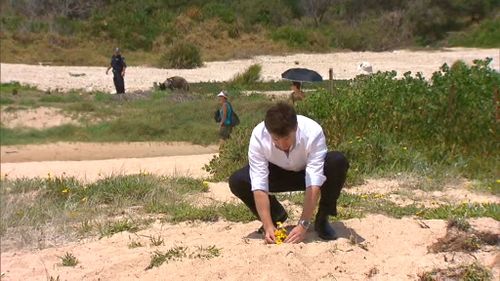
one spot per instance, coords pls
(68, 260)
(471, 272)
(174, 254)
(156, 241)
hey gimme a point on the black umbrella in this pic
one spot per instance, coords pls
(301, 75)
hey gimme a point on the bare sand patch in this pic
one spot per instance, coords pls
(37, 118)
(92, 161)
(92, 170)
(76, 151)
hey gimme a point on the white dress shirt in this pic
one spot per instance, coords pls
(308, 153)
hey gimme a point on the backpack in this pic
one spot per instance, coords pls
(235, 119)
(217, 116)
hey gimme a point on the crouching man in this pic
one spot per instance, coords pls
(288, 152)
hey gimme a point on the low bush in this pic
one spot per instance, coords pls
(249, 76)
(181, 55)
(293, 37)
(485, 35)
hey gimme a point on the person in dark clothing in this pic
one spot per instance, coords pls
(118, 65)
(287, 152)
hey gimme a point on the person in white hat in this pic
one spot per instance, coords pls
(226, 117)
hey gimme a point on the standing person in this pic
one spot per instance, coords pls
(297, 94)
(226, 114)
(288, 152)
(118, 64)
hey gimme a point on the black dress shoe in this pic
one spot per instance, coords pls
(323, 228)
(281, 219)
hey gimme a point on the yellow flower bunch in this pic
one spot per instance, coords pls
(280, 233)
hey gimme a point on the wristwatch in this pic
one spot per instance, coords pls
(304, 223)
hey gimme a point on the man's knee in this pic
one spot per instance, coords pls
(233, 181)
(337, 161)
(238, 183)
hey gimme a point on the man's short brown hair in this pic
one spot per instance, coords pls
(281, 119)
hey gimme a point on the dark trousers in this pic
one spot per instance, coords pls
(280, 180)
(119, 82)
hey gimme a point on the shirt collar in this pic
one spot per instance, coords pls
(297, 138)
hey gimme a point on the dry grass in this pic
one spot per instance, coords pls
(471, 272)
(58, 50)
(459, 239)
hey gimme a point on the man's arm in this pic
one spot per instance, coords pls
(124, 66)
(264, 209)
(259, 176)
(298, 233)
(314, 179)
(107, 70)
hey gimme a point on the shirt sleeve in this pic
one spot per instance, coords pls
(316, 161)
(259, 166)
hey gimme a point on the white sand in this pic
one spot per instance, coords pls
(344, 65)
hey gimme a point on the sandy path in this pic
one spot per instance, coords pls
(91, 161)
(91, 170)
(62, 151)
(344, 65)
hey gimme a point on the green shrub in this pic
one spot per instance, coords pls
(386, 123)
(291, 36)
(219, 10)
(11, 23)
(485, 35)
(182, 55)
(249, 76)
(5, 100)
(232, 155)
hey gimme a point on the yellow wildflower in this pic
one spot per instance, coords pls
(65, 190)
(280, 233)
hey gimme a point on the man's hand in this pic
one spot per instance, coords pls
(297, 235)
(107, 70)
(123, 73)
(269, 235)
